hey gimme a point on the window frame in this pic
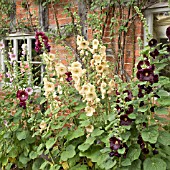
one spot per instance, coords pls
(149, 15)
(15, 38)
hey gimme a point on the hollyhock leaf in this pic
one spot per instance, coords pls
(125, 136)
(136, 165)
(132, 116)
(80, 106)
(23, 159)
(164, 101)
(143, 109)
(33, 155)
(150, 134)
(79, 167)
(162, 111)
(42, 100)
(121, 151)
(126, 162)
(68, 153)
(44, 165)
(84, 123)
(89, 141)
(50, 143)
(94, 153)
(108, 164)
(21, 135)
(97, 132)
(162, 93)
(133, 152)
(77, 133)
(154, 164)
(37, 163)
(164, 138)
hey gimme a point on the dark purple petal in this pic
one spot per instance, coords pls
(22, 104)
(141, 63)
(125, 120)
(153, 42)
(154, 53)
(114, 143)
(22, 95)
(168, 32)
(145, 150)
(130, 109)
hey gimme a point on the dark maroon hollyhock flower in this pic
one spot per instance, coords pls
(119, 109)
(145, 150)
(114, 143)
(148, 89)
(141, 104)
(152, 109)
(155, 152)
(141, 63)
(41, 38)
(111, 154)
(156, 78)
(125, 120)
(22, 104)
(154, 53)
(130, 109)
(168, 32)
(145, 75)
(117, 93)
(18, 93)
(168, 48)
(153, 42)
(140, 94)
(129, 97)
(69, 76)
(22, 95)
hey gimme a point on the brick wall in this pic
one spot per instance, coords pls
(131, 48)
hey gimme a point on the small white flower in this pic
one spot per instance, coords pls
(61, 69)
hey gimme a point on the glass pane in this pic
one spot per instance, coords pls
(20, 42)
(9, 44)
(35, 56)
(36, 73)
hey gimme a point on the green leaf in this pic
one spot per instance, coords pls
(143, 109)
(44, 165)
(133, 152)
(89, 141)
(37, 163)
(23, 159)
(33, 155)
(164, 101)
(150, 134)
(21, 135)
(136, 165)
(80, 106)
(121, 151)
(126, 162)
(164, 137)
(68, 153)
(154, 164)
(50, 143)
(75, 134)
(162, 111)
(97, 132)
(162, 93)
(132, 116)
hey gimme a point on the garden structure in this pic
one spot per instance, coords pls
(84, 85)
